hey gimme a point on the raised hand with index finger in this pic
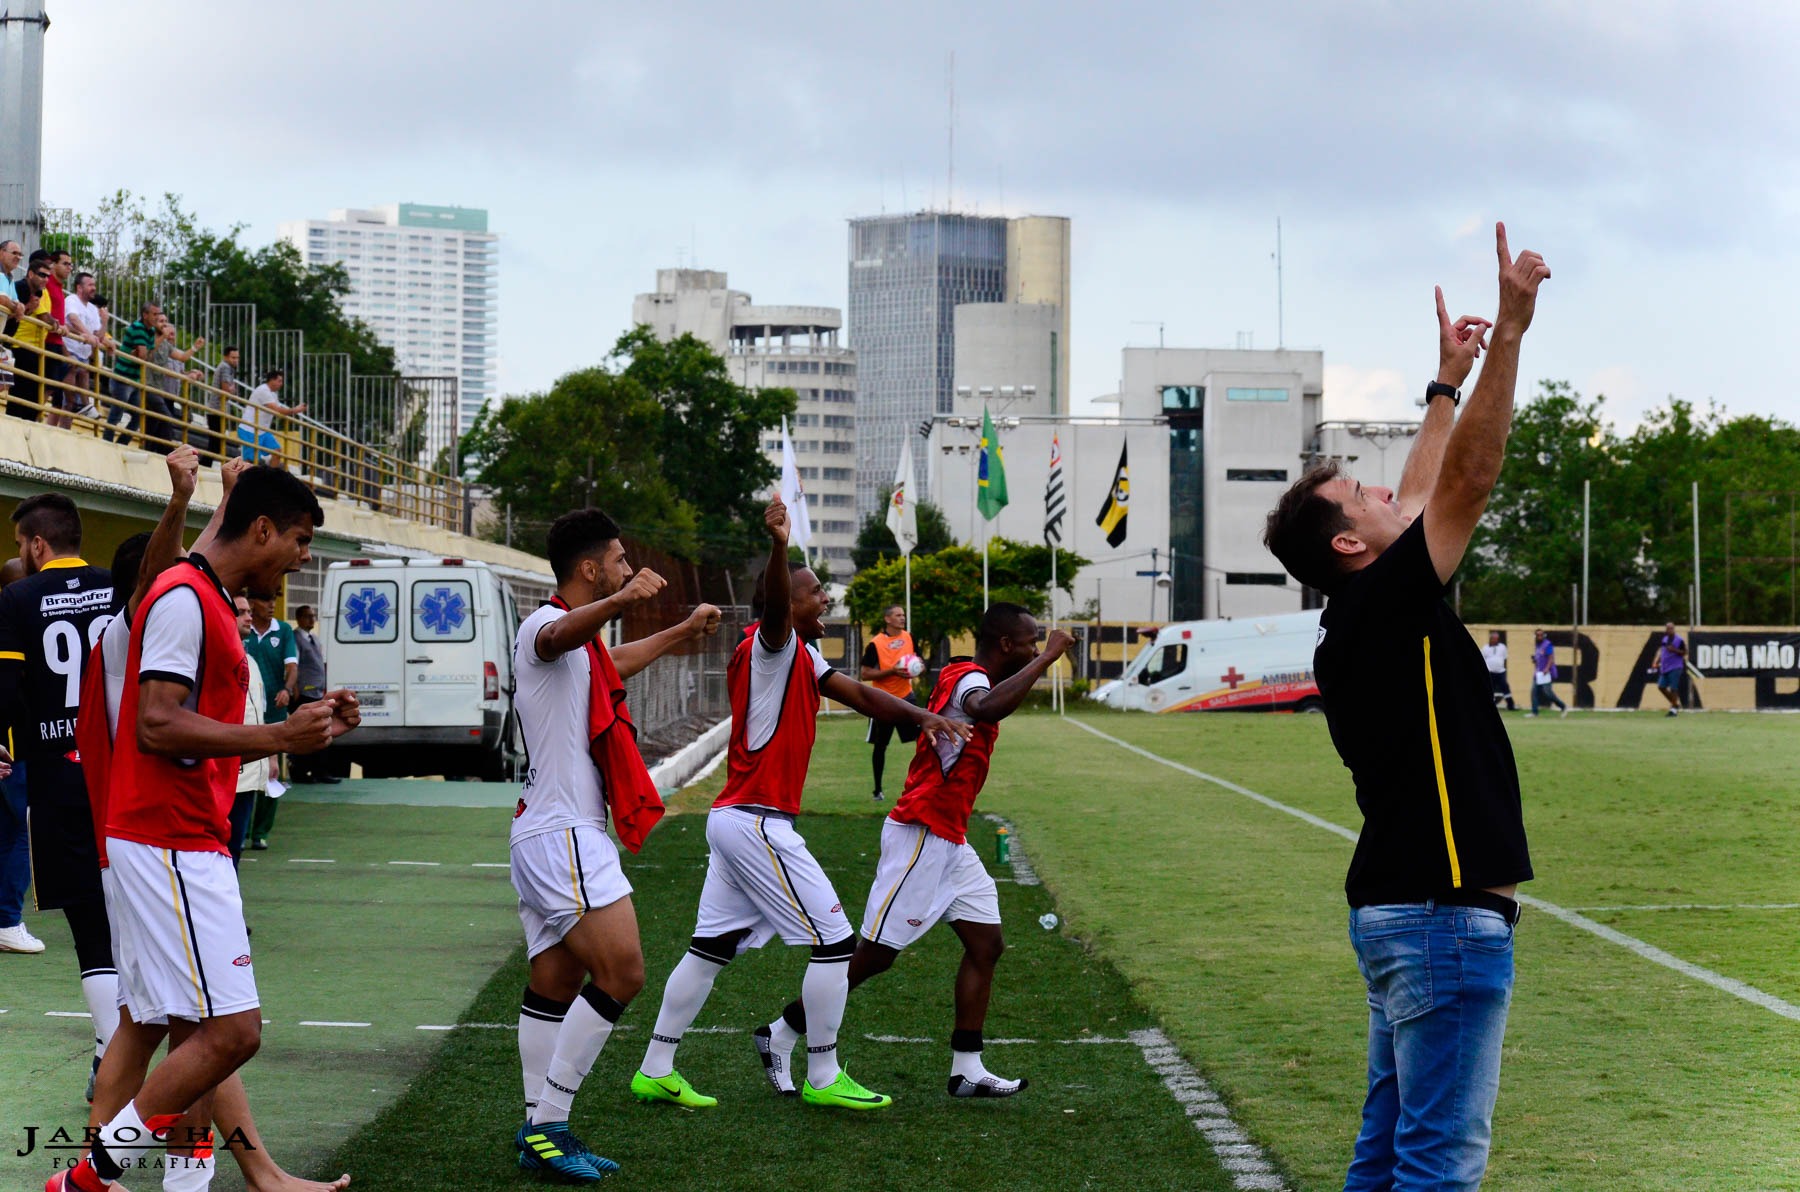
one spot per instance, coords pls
(1519, 280)
(1459, 344)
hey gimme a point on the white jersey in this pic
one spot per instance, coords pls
(768, 685)
(950, 748)
(562, 784)
(1496, 658)
(115, 650)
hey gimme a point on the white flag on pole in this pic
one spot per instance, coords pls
(902, 515)
(793, 494)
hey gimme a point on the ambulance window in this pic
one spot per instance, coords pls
(443, 610)
(368, 611)
(1169, 662)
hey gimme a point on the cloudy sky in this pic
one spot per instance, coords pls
(1647, 149)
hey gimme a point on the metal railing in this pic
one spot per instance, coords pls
(162, 408)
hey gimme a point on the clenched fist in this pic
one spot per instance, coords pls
(309, 729)
(703, 621)
(1057, 644)
(642, 586)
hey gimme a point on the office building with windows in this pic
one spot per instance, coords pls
(790, 347)
(1209, 439)
(425, 280)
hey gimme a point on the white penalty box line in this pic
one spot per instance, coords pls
(1650, 952)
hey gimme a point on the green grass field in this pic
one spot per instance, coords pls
(1185, 906)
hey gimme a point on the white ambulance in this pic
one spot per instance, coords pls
(1244, 665)
(426, 644)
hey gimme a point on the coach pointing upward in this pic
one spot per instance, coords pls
(1406, 693)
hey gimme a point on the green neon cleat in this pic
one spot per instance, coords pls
(844, 1093)
(672, 1088)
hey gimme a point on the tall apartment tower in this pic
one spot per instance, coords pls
(789, 347)
(424, 278)
(908, 275)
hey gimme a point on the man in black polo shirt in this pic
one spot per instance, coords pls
(1442, 850)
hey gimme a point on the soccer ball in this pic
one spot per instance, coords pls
(911, 665)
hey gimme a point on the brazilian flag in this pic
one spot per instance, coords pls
(1118, 503)
(991, 491)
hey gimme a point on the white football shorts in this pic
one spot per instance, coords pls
(112, 916)
(761, 877)
(561, 875)
(922, 879)
(178, 927)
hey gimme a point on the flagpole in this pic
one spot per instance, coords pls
(909, 624)
(1056, 677)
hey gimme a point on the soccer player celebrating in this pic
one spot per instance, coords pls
(928, 872)
(135, 565)
(760, 879)
(574, 901)
(49, 621)
(173, 775)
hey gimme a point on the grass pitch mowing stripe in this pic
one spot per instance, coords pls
(1094, 1117)
(1229, 921)
(352, 942)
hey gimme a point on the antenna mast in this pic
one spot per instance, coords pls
(1280, 308)
(950, 177)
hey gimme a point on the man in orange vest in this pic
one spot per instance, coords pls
(881, 669)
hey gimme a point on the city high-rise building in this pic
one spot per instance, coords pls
(424, 279)
(908, 276)
(788, 347)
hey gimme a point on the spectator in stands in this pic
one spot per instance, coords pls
(167, 377)
(56, 357)
(87, 335)
(28, 355)
(219, 404)
(134, 349)
(256, 432)
(10, 256)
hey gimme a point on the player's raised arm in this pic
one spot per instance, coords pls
(1459, 345)
(1477, 446)
(778, 614)
(1003, 698)
(166, 727)
(229, 471)
(164, 547)
(633, 657)
(584, 623)
(877, 704)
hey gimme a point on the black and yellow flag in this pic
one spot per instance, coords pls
(1118, 503)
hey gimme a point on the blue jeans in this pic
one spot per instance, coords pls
(1440, 980)
(15, 848)
(1543, 694)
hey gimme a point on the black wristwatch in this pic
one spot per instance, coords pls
(1439, 389)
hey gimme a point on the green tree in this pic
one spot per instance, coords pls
(946, 585)
(591, 439)
(710, 439)
(657, 435)
(874, 541)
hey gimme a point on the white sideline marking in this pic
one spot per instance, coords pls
(66, 1014)
(1696, 906)
(311, 861)
(310, 1022)
(425, 863)
(1023, 873)
(1650, 952)
(1004, 1042)
(895, 1039)
(490, 865)
(1248, 1165)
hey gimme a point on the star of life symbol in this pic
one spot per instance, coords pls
(443, 611)
(367, 611)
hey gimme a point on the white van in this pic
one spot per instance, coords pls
(1249, 664)
(426, 644)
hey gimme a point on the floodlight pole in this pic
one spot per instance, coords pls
(1697, 613)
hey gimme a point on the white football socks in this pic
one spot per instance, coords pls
(823, 993)
(540, 1018)
(684, 995)
(583, 1033)
(100, 989)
